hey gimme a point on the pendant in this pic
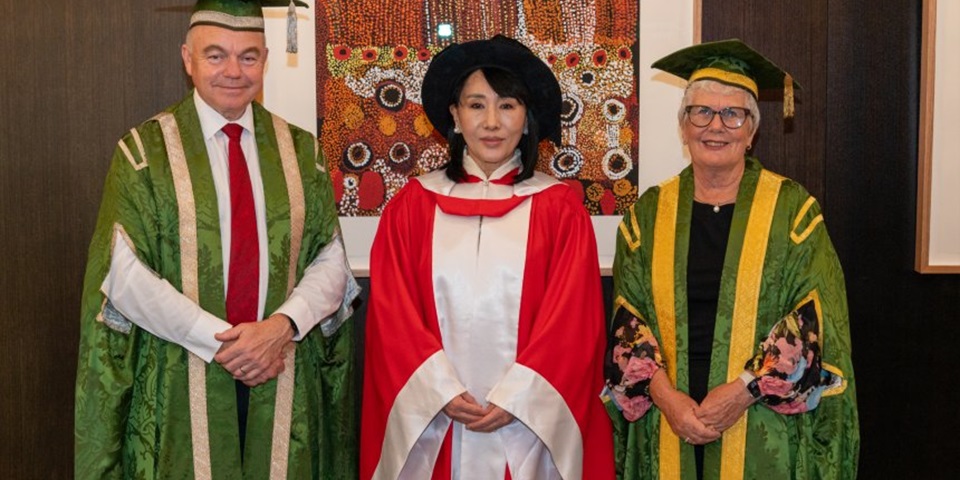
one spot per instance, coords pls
(716, 209)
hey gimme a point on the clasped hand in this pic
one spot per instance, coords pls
(724, 405)
(254, 352)
(703, 423)
(466, 410)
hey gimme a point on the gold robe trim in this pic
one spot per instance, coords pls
(631, 235)
(283, 408)
(187, 212)
(664, 303)
(744, 323)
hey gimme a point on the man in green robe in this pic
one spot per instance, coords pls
(166, 388)
(730, 348)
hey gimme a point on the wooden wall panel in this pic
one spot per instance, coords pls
(784, 32)
(853, 144)
(907, 322)
(73, 77)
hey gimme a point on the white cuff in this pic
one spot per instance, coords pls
(199, 340)
(296, 308)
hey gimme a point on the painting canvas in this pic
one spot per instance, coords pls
(371, 58)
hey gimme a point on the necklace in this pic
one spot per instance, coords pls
(716, 206)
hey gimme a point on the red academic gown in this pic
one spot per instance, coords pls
(435, 328)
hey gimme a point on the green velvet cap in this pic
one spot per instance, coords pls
(734, 63)
(235, 14)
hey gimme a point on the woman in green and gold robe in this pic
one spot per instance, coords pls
(730, 348)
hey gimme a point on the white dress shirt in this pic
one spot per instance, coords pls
(152, 303)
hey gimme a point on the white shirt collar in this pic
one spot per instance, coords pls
(211, 121)
(470, 166)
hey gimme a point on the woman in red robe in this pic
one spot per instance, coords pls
(485, 330)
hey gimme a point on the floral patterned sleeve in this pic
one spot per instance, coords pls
(636, 357)
(788, 366)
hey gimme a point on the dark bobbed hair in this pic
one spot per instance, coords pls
(507, 85)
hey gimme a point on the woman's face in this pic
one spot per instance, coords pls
(491, 126)
(717, 146)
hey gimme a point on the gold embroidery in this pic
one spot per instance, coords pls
(799, 238)
(291, 174)
(282, 418)
(633, 240)
(743, 329)
(133, 161)
(189, 273)
(634, 245)
(284, 399)
(103, 306)
(814, 296)
(199, 428)
(836, 390)
(136, 139)
(803, 212)
(622, 302)
(725, 76)
(662, 273)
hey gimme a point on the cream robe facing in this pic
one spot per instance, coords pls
(477, 272)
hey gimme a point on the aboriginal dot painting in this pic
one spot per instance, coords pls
(371, 58)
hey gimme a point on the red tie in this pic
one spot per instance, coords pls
(243, 279)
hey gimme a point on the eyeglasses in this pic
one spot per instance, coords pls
(731, 117)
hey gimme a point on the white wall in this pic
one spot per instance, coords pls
(945, 158)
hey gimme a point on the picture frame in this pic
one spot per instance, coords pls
(290, 91)
(938, 171)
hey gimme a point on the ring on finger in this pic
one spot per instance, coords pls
(242, 370)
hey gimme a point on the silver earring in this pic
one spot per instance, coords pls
(525, 130)
(456, 128)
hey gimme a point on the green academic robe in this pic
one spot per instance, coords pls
(778, 257)
(148, 408)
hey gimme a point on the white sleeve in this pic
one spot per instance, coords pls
(153, 304)
(321, 291)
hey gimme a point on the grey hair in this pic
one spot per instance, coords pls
(714, 86)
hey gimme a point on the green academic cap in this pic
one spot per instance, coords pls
(246, 15)
(734, 63)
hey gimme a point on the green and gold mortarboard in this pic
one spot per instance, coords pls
(734, 63)
(245, 15)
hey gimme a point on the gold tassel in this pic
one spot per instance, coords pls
(292, 28)
(787, 96)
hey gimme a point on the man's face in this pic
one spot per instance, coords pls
(226, 67)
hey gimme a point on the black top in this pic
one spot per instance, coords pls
(709, 232)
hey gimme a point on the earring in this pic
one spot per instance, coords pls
(456, 128)
(525, 129)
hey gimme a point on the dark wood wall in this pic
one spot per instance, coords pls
(853, 144)
(75, 75)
